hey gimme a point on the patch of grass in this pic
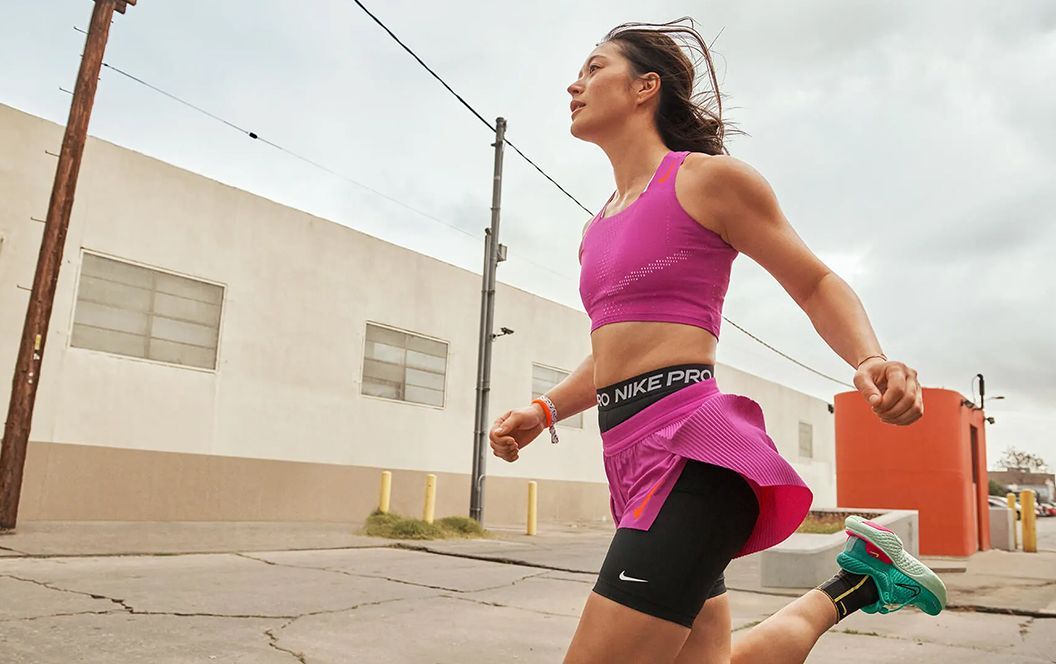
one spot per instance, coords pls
(462, 525)
(820, 526)
(395, 526)
(822, 522)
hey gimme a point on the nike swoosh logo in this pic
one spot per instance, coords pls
(624, 577)
(914, 589)
(645, 501)
(667, 173)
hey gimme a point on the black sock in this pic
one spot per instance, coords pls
(849, 592)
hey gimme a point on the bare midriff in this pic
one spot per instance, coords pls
(628, 348)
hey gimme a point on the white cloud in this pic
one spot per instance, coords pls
(911, 144)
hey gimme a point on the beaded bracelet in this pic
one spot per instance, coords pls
(551, 415)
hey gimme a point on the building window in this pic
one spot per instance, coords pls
(806, 440)
(404, 366)
(135, 311)
(544, 378)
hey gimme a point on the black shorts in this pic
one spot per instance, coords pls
(670, 570)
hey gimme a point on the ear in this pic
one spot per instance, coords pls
(647, 86)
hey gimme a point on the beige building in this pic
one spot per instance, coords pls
(214, 355)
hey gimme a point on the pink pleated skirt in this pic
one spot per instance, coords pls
(645, 454)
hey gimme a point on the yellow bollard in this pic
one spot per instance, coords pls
(386, 491)
(1030, 532)
(533, 493)
(1011, 498)
(430, 497)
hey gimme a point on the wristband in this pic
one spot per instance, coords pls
(551, 415)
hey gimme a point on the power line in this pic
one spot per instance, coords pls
(255, 136)
(786, 356)
(467, 105)
(312, 162)
(488, 124)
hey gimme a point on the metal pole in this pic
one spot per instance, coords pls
(493, 253)
(982, 391)
(42, 297)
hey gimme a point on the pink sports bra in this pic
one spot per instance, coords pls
(653, 262)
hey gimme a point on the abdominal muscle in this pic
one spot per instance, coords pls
(626, 349)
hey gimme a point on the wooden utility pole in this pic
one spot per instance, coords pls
(42, 297)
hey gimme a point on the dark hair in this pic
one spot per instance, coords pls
(686, 121)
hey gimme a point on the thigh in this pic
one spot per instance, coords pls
(709, 642)
(670, 570)
(610, 632)
(653, 584)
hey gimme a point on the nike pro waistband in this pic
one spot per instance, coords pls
(652, 383)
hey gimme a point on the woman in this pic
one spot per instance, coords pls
(694, 479)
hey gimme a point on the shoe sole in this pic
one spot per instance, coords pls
(891, 546)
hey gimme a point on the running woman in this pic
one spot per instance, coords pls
(694, 479)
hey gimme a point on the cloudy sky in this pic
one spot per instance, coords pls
(912, 145)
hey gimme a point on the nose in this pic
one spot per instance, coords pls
(575, 88)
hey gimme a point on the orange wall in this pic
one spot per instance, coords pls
(926, 466)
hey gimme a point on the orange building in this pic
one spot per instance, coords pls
(937, 466)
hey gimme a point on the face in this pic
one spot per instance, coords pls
(606, 92)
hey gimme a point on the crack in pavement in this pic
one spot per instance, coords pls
(273, 639)
(510, 606)
(1022, 613)
(45, 584)
(493, 559)
(61, 615)
(171, 554)
(1024, 628)
(855, 632)
(394, 580)
(127, 608)
(968, 608)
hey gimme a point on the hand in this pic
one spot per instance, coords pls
(891, 388)
(514, 429)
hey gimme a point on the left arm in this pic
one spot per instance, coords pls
(742, 203)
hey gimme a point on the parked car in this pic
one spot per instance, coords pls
(1050, 509)
(998, 501)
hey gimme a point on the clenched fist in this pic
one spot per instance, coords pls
(891, 389)
(514, 429)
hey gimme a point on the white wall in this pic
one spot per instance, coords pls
(299, 292)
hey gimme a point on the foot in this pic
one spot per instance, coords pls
(900, 578)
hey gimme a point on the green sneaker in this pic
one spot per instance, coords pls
(900, 578)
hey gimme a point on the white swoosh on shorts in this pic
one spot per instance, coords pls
(624, 577)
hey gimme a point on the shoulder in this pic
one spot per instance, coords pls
(724, 188)
(724, 177)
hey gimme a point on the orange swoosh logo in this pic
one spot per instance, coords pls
(645, 501)
(669, 169)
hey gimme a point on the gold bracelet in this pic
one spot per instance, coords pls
(871, 356)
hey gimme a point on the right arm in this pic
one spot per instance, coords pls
(516, 428)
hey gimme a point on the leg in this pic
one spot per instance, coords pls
(653, 583)
(709, 641)
(611, 632)
(893, 579)
(788, 635)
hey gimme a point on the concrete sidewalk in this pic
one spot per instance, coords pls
(190, 592)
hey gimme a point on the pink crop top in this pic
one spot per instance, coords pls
(653, 262)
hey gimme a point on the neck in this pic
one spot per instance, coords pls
(635, 155)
